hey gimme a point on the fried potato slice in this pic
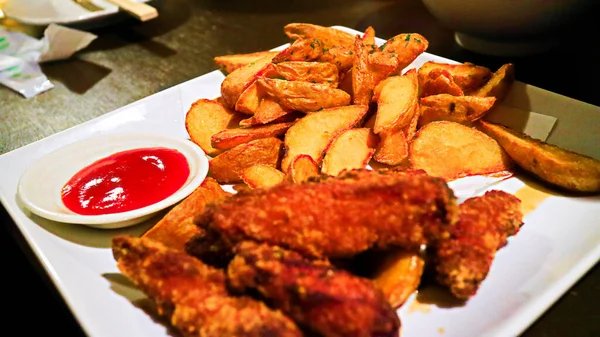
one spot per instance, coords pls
(330, 36)
(460, 109)
(340, 56)
(313, 72)
(566, 169)
(262, 176)
(368, 37)
(397, 101)
(205, 118)
(346, 82)
(451, 150)
(303, 96)
(270, 111)
(404, 48)
(374, 64)
(228, 166)
(231, 138)
(363, 78)
(229, 63)
(313, 134)
(399, 275)
(499, 85)
(438, 81)
(411, 129)
(249, 100)
(177, 226)
(392, 148)
(301, 50)
(303, 168)
(236, 82)
(352, 149)
(467, 76)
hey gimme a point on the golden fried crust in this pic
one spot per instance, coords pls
(177, 226)
(485, 223)
(328, 301)
(193, 294)
(339, 217)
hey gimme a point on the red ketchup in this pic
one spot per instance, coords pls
(126, 181)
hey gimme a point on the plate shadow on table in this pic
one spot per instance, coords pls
(88, 236)
(76, 74)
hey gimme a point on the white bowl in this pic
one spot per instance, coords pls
(507, 28)
(40, 185)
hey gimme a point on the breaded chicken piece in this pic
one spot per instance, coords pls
(486, 222)
(325, 300)
(339, 217)
(193, 294)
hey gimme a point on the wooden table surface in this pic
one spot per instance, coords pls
(130, 60)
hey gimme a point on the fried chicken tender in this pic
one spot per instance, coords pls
(325, 300)
(464, 260)
(338, 217)
(193, 294)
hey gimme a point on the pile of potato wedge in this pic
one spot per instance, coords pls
(332, 101)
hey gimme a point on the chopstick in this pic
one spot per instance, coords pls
(140, 10)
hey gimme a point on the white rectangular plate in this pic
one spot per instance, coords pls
(559, 242)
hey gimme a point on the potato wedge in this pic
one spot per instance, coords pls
(302, 169)
(459, 109)
(405, 48)
(262, 176)
(231, 138)
(206, 118)
(177, 226)
(228, 166)
(352, 149)
(399, 275)
(270, 111)
(499, 85)
(301, 50)
(368, 37)
(346, 82)
(392, 148)
(363, 80)
(236, 82)
(438, 81)
(451, 150)
(411, 129)
(230, 63)
(313, 134)
(467, 76)
(397, 101)
(330, 36)
(249, 100)
(313, 72)
(342, 57)
(303, 96)
(566, 169)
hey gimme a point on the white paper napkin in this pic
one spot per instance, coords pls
(21, 54)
